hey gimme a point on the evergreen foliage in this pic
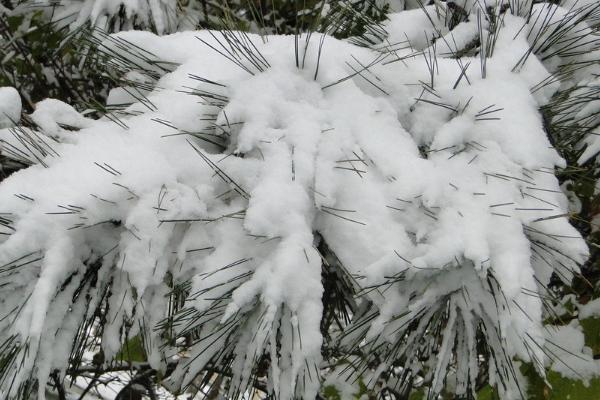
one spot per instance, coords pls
(374, 205)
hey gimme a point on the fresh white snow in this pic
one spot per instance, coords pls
(433, 169)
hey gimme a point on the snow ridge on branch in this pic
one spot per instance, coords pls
(216, 198)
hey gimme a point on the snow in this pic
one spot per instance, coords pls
(562, 36)
(445, 178)
(570, 357)
(109, 15)
(50, 114)
(10, 107)
(590, 310)
(587, 114)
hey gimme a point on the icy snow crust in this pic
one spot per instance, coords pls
(453, 205)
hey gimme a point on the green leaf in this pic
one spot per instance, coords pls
(487, 393)
(591, 330)
(132, 351)
(561, 388)
(418, 394)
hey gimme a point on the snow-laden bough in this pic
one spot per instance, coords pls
(236, 174)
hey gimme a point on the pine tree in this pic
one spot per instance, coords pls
(363, 207)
